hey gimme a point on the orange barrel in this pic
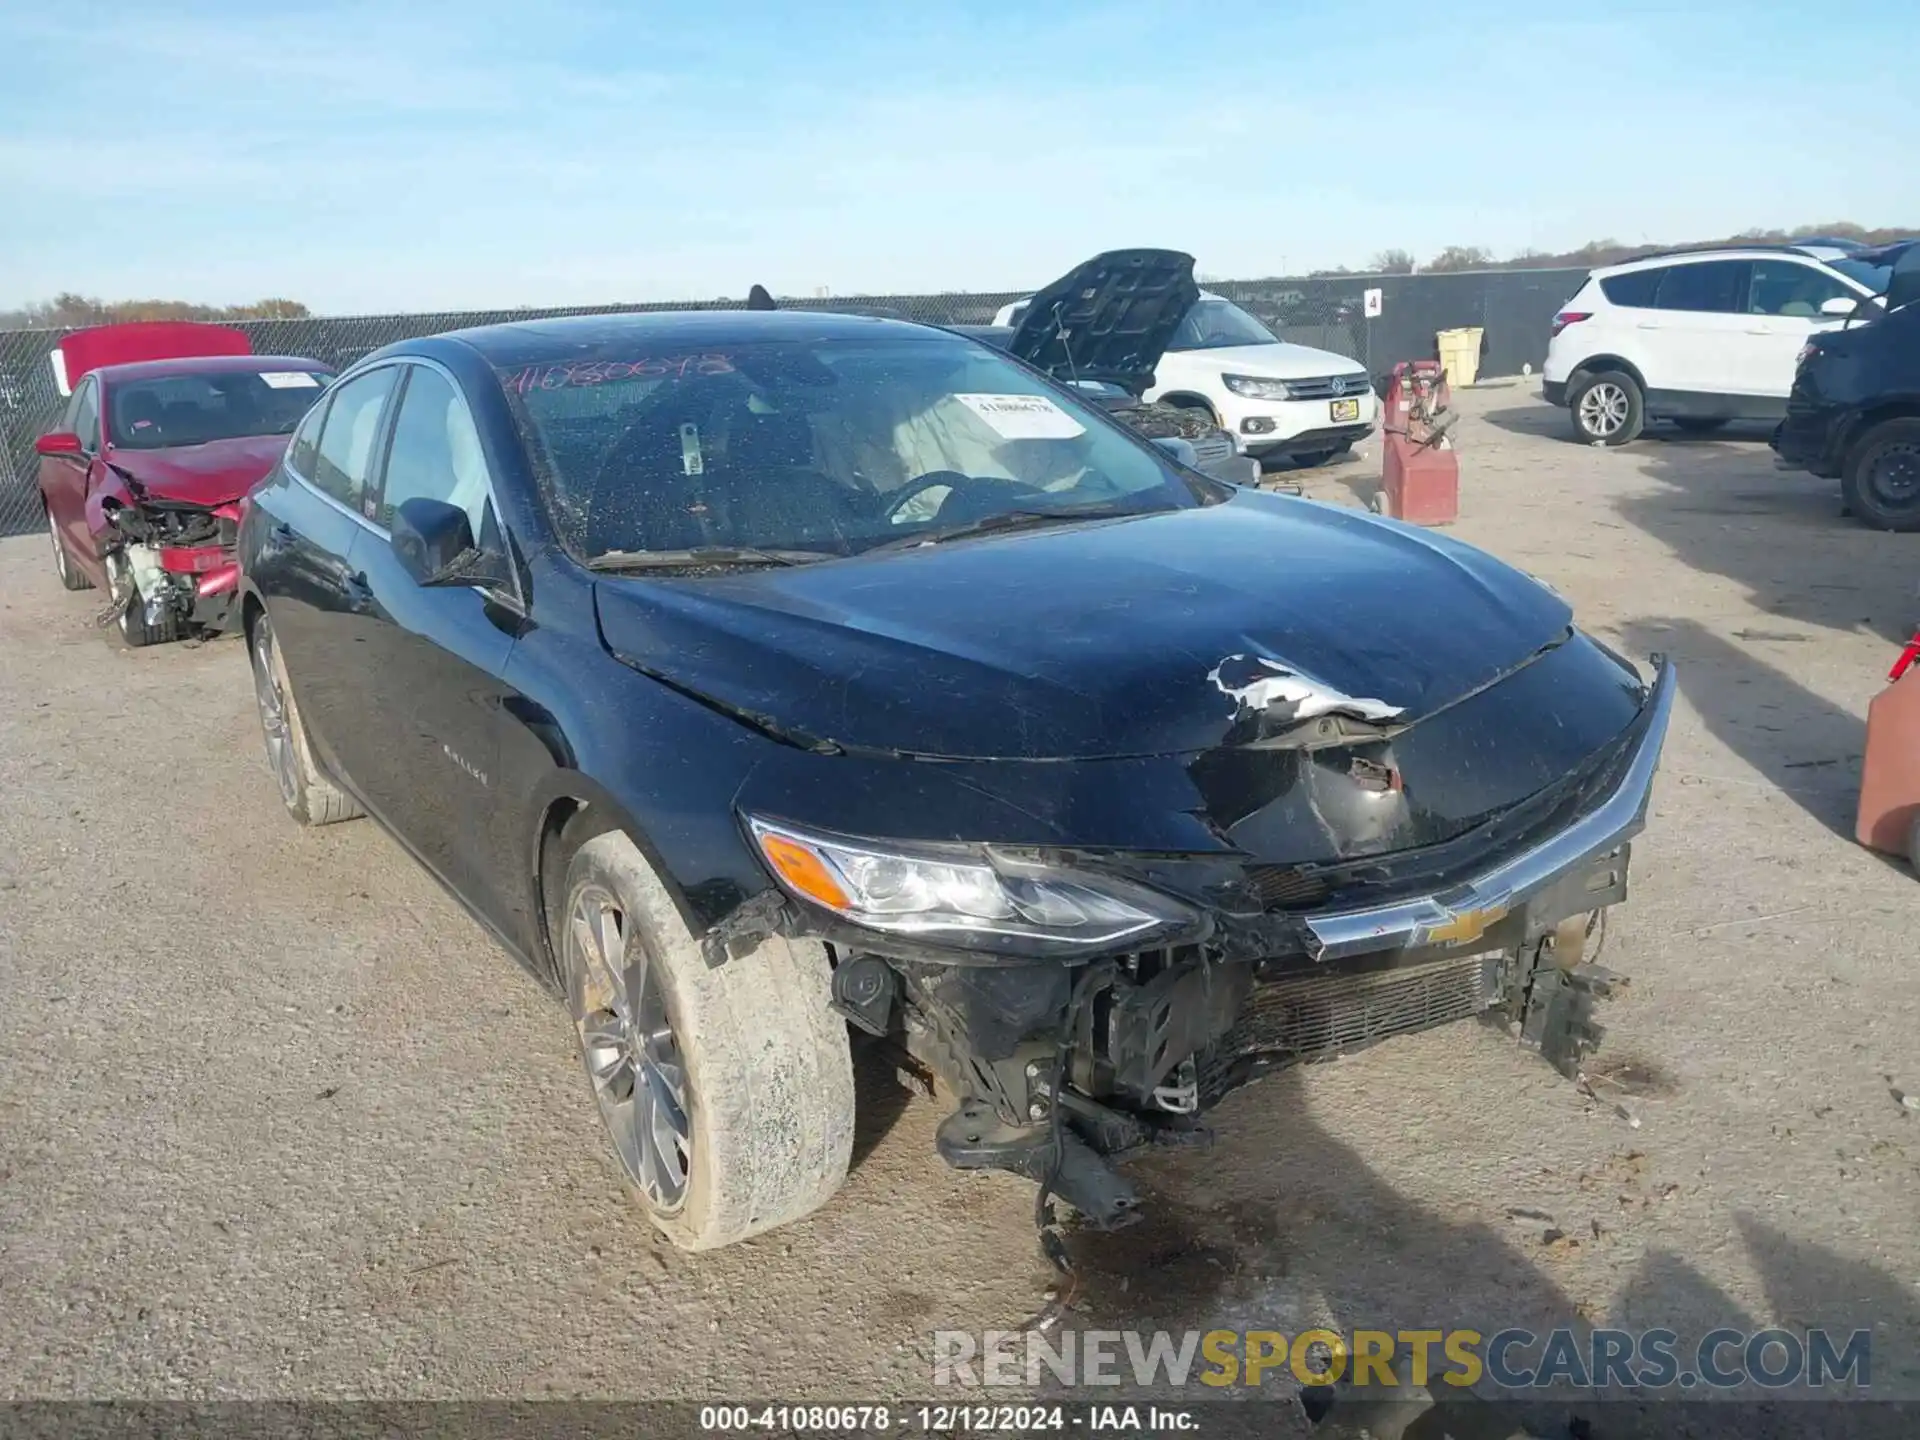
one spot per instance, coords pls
(1889, 817)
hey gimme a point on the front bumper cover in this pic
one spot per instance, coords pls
(1464, 912)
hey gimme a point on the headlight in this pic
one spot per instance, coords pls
(1254, 388)
(965, 895)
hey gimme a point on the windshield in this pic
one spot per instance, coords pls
(1215, 324)
(1874, 277)
(819, 448)
(174, 410)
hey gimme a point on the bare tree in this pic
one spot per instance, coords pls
(1462, 257)
(69, 310)
(1391, 262)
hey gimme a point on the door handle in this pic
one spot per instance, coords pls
(359, 593)
(1760, 330)
(1649, 325)
(281, 533)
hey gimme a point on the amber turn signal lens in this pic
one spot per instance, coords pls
(804, 872)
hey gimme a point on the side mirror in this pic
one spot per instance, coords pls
(1840, 306)
(432, 539)
(1180, 449)
(59, 442)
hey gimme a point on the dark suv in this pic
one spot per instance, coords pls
(1854, 413)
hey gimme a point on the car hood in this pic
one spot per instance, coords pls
(1108, 319)
(209, 474)
(1278, 361)
(1172, 633)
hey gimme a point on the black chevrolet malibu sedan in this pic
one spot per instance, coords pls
(762, 678)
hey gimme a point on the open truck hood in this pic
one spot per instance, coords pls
(1172, 633)
(1109, 319)
(1903, 257)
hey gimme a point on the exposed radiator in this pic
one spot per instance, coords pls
(1311, 1016)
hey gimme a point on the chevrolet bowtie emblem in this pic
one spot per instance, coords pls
(1467, 925)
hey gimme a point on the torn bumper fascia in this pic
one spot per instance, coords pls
(1465, 911)
(1514, 898)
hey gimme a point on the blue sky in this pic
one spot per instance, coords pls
(428, 155)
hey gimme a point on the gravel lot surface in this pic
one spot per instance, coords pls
(276, 1119)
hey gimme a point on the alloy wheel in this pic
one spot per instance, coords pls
(1603, 409)
(628, 1044)
(274, 723)
(60, 561)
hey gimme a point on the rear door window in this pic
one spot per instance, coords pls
(304, 449)
(348, 438)
(1635, 289)
(1715, 287)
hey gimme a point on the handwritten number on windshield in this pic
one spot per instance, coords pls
(609, 372)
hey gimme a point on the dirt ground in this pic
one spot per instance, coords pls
(277, 1120)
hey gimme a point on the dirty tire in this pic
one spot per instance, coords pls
(309, 796)
(1314, 459)
(135, 630)
(1698, 424)
(1607, 408)
(1881, 482)
(71, 576)
(766, 1063)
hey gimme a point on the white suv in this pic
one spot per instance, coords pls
(1278, 400)
(1697, 337)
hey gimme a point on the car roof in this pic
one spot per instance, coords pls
(205, 365)
(585, 337)
(1819, 253)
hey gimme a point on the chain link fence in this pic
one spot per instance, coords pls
(1513, 308)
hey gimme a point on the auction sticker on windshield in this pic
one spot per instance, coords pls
(290, 379)
(1023, 417)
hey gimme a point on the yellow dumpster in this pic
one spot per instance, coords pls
(1460, 354)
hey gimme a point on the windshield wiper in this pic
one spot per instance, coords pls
(703, 555)
(1003, 521)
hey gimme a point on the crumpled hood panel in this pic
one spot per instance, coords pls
(1152, 635)
(209, 474)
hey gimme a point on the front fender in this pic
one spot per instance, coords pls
(112, 492)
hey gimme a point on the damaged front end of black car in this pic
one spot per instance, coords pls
(1331, 870)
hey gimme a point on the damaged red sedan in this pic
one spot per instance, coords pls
(144, 475)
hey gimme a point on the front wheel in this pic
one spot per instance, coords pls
(309, 796)
(1607, 408)
(727, 1090)
(135, 628)
(1881, 481)
(70, 574)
